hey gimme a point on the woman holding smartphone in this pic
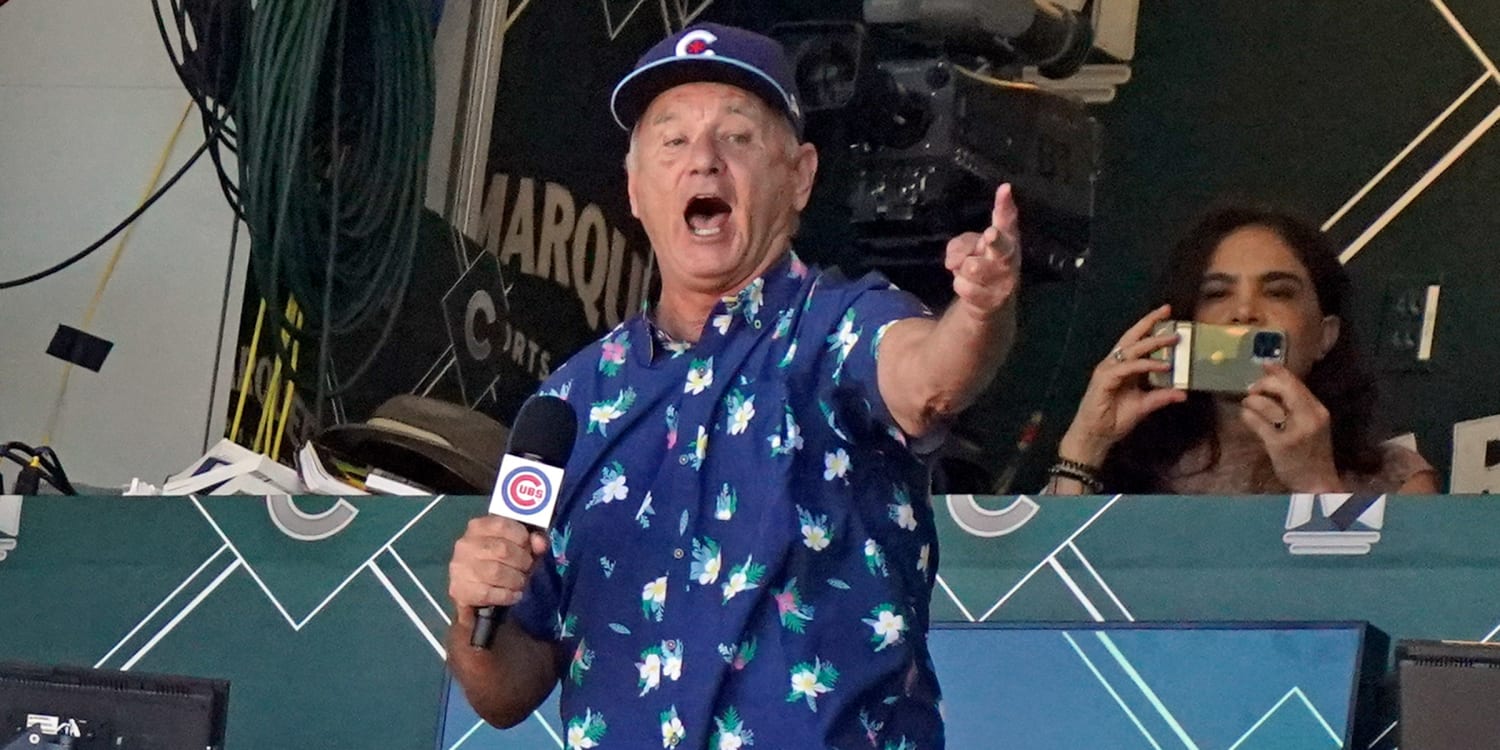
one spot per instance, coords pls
(1303, 426)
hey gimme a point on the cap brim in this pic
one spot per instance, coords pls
(636, 91)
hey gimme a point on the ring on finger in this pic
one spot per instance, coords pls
(1118, 355)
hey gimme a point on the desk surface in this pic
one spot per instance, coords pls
(318, 609)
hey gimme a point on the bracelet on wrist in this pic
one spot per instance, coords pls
(1079, 466)
(1082, 473)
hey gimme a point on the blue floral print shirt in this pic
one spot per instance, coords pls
(744, 552)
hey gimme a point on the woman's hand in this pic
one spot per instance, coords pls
(1117, 398)
(1293, 425)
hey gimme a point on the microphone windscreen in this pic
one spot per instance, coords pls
(545, 428)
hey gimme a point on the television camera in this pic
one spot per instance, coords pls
(919, 112)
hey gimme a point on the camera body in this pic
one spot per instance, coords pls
(916, 126)
(1216, 358)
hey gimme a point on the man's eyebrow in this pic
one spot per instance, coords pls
(662, 117)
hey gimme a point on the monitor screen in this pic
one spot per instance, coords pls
(1123, 685)
(1065, 686)
(86, 709)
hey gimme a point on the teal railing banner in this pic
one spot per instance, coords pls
(328, 615)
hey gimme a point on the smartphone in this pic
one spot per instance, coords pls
(1216, 358)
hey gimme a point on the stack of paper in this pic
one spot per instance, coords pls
(327, 473)
(330, 477)
(231, 469)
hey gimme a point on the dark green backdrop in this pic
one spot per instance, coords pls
(1290, 102)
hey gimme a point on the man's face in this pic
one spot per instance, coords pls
(717, 180)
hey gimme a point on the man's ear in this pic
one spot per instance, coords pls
(630, 191)
(1331, 327)
(804, 170)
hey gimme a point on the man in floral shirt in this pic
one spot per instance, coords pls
(744, 549)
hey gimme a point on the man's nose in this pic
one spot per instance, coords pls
(705, 156)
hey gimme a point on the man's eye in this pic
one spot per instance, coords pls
(738, 138)
(1213, 293)
(675, 141)
(1281, 292)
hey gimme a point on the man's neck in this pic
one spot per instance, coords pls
(683, 312)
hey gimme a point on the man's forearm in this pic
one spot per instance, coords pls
(506, 682)
(974, 345)
(932, 370)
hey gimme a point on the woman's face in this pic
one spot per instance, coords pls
(1254, 278)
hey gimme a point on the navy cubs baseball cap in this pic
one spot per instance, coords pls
(712, 53)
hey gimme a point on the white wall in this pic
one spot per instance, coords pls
(88, 102)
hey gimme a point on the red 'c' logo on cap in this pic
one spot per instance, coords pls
(699, 42)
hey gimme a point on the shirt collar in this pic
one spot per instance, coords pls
(756, 304)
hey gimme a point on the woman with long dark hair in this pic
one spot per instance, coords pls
(1302, 427)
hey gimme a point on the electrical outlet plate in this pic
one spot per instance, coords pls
(1406, 337)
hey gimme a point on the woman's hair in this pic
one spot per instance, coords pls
(1140, 461)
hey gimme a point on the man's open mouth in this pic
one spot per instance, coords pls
(706, 215)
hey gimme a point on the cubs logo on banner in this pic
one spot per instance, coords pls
(526, 491)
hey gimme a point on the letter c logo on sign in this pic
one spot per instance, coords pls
(699, 42)
(526, 491)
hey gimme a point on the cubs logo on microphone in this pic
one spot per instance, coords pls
(527, 491)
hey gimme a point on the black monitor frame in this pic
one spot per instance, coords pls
(142, 711)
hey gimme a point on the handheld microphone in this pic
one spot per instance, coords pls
(530, 477)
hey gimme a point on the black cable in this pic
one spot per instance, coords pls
(29, 481)
(1007, 475)
(333, 236)
(1062, 356)
(8, 450)
(55, 475)
(213, 385)
(86, 252)
(38, 465)
(214, 114)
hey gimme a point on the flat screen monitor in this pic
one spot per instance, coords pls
(85, 709)
(1245, 686)
(1124, 686)
(1449, 691)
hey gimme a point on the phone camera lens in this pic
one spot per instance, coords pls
(1267, 345)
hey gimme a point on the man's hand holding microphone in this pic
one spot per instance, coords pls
(493, 559)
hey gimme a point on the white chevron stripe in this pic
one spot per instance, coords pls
(1405, 152)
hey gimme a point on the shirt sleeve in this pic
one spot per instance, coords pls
(1397, 464)
(537, 612)
(870, 306)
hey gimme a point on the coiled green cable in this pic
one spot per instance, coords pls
(335, 110)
